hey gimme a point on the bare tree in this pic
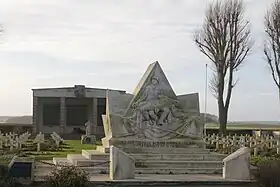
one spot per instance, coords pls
(272, 43)
(225, 39)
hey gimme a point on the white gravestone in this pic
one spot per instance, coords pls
(56, 138)
(11, 142)
(18, 141)
(40, 138)
(25, 137)
(237, 165)
(6, 140)
(2, 140)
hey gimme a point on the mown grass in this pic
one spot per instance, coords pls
(69, 147)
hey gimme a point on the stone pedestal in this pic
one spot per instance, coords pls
(237, 165)
(153, 146)
(122, 166)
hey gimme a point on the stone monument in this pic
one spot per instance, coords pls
(88, 138)
(153, 118)
(151, 131)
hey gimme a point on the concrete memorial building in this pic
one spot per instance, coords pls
(66, 110)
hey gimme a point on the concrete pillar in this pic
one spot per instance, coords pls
(94, 114)
(62, 114)
(35, 123)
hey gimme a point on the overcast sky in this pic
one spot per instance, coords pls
(109, 44)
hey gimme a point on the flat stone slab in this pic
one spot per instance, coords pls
(152, 177)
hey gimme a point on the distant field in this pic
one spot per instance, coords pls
(246, 125)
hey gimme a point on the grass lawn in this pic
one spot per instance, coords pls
(70, 147)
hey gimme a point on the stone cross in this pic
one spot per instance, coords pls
(6, 140)
(56, 138)
(40, 138)
(2, 139)
(11, 142)
(22, 139)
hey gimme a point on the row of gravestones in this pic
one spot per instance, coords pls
(22, 168)
(15, 141)
(40, 138)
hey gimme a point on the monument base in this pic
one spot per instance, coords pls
(160, 146)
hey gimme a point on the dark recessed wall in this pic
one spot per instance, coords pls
(77, 115)
(51, 114)
(78, 111)
(50, 111)
(101, 109)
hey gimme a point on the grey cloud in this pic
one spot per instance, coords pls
(110, 44)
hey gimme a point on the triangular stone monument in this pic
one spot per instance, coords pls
(153, 116)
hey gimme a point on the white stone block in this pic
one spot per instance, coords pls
(122, 166)
(237, 165)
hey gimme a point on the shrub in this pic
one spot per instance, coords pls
(268, 173)
(256, 160)
(69, 176)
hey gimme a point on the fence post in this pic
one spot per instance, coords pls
(217, 142)
(255, 148)
(251, 142)
(278, 144)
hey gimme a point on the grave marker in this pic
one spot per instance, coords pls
(40, 138)
(56, 138)
(2, 140)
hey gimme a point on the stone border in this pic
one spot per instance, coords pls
(163, 183)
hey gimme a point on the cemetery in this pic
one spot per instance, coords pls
(150, 138)
(82, 136)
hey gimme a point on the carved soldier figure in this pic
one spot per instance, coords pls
(151, 106)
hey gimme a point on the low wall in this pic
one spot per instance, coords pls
(164, 183)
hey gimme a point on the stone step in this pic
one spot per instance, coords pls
(89, 170)
(72, 158)
(158, 150)
(61, 161)
(180, 157)
(178, 170)
(91, 163)
(105, 170)
(103, 149)
(97, 155)
(153, 164)
(81, 160)
(161, 164)
(155, 167)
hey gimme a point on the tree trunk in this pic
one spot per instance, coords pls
(221, 104)
(222, 118)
